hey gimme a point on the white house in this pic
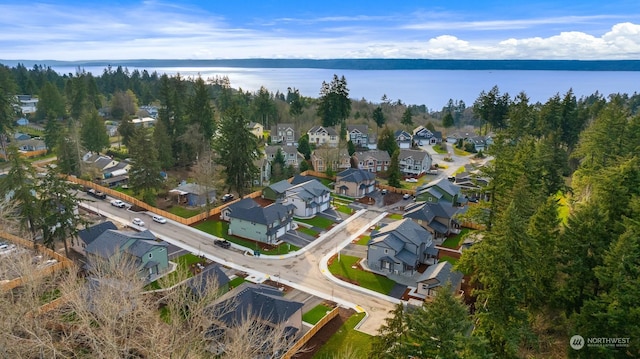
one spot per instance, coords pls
(319, 135)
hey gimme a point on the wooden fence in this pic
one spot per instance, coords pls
(317, 174)
(397, 190)
(308, 335)
(62, 261)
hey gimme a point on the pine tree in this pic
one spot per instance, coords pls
(394, 174)
(94, 133)
(144, 175)
(407, 118)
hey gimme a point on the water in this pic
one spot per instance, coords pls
(432, 88)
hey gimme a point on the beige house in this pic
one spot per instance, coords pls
(319, 135)
(257, 129)
(373, 160)
(326, 157)
(354, 182)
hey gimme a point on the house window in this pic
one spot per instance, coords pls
(150, 255)
(424, 286)
(386, 251)
(385, 265)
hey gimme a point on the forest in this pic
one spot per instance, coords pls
(560, 255)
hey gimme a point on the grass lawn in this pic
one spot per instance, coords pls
(395, 216)
(317, 221)
(325, 181)
(50, 154)
(459, 170)
(345, 340)
(448, 259)
(439, 149)
(308, 231)
(184, 262)
(344, 209)
(314, 315)
(454, 242)
(342, 269)
(459, 152)
(221, 229)
(127, 191)
(345, 198)
(236, 282)
(363, 240)
(184, 212)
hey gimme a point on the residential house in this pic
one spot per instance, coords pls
(264, 172)
(247, 219)
(116, 175)
(358, 135)
(89, 234)
(194, 195)
(22, 121)
(149, 255)
(403, 139)
(151, 111)
(212, 278)
(355, 182)
(99, 162)
(259, 303)
(422, 136)
(284, 134)
(276, 191)
(373, 160)
(439, 218)
(320, 135)
(256, 129)
(309, 198)
(414, 163)
(333, 158)
(31, 145)
(19, 136)
(437, 276)
(112, 130)
(144, 122)
(441, 190)
(290, 153)
(399, 248)
(459, 135)
(27, 104)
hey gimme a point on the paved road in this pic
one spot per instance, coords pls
(301, 271)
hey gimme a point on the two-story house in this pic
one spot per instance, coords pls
(309, 198)
(335, 158)
(290, 153)
(320, 135)
(373, 160)
(414, 163)
(249, 220)
(422, 136)
(284, 134)
(399, 248)
(403, 139)
(256, 129)
(441, 190)
(358, 135)
(355, 182)
(439, 218)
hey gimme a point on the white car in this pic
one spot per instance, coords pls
(138, 222)
(406, 196)
(159, 219)
(118, 203)
(411, 180)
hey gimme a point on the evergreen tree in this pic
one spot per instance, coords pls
(351, 148)
(387, 141)
(144, 175)
(407, 118)
(447, 120)
(20, 186)
(278, 166)
(201, 111)
(94, 133)
(334, 104)
(7, 102)
(126, 129)
(163, 144)
(394, 174)
(304, 147)
(390, 343)
(378, 118)
(238, 161)
(69, 152)
(264, 108)
(52, 132)
(50, 103)
(296, 106)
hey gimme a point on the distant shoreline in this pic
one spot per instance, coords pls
(355, 64)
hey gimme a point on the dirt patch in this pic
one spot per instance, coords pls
(324, 334)
(366, 200)
(391, 198)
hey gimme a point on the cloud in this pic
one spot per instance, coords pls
(154, 29)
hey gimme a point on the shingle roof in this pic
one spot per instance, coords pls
(309, 190)
(330, 130)
(355, 175)
(89, 234)
(254, 301)
(193, 188)
(443, 183)
(404, 230)
(438, 274)
(112, 241)
(427, 211)
(361, 128)
(415, 154)
(281, 187)
(211, 275)
(272, 150)
(262, 215)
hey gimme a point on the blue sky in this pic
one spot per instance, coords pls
(183, 29)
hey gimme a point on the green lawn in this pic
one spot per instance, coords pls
(317, 221)
(221, 229)
(236, 282)
(182, 271)
(33, 132)
(127, 191)
(454, 242)
(342, 269)
(314, 315)
(344, 209)
(325, 181)
(184, 212)
(395, 216)
(448, 259)
(459, 170)
(438, 149)
(347, 339)
(308, 231)
(363, 240)
(459, 152)
(345, 198)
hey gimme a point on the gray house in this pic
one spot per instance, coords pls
(441, 190)
(284, 133)
(414, 162)
(355, 182)
(149, 255)
(403, 139)
(258, 303)
(212, 276)
(309, 198)
(194, 195)
(263, 224)
(436, 217)
(399, 248)
(277, 190)
(436, 276)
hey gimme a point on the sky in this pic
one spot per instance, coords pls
(76, 30)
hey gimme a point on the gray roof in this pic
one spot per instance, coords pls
(400, 232)
(329, 130)
(355, 175)
(193, 188)
(403, 133)
(89, 234)
(415, 154)
(102, 162)
(427, 211)
(309, 190)
(112, 241)
(377, 154)
(438, 274)
(297, 179)
(211, 275)
(361, 128)
(443, 183)
(262, 215)
(281, 187)
(254, 300)
(272, 150)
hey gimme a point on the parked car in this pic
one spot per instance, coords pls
(138, 222)
(383, 192)
(411, 180)
(406, 196)
(159, 219)
(118, 203)
(97, 194)
(222, 243)
(227, 197)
